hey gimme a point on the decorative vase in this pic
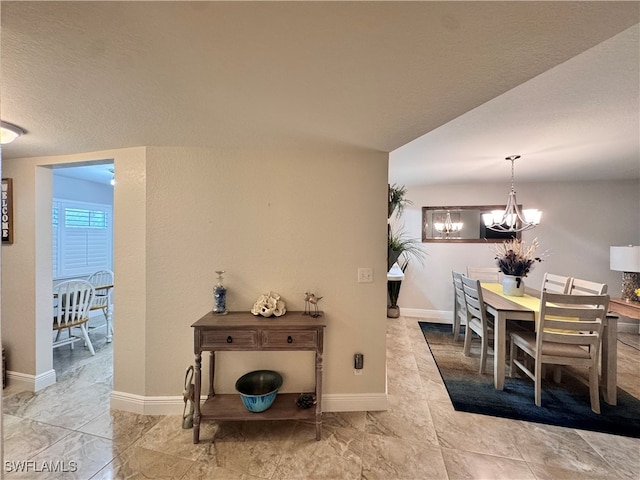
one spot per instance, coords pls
(513, 286)
(220, 295)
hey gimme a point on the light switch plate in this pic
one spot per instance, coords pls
(365, 275)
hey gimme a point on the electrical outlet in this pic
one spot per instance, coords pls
(365, 275)
(358, 361)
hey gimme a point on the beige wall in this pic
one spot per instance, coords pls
(287, 221)
(580, 221)
(21, 308)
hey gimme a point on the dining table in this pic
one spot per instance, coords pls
(506, 308)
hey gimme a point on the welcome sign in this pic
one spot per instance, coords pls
(6, 210)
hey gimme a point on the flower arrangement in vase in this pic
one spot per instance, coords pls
(515, 259)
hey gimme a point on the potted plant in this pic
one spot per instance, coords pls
(515, 259)
(401, 248)
(397, 200)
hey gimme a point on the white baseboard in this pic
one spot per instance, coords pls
(441, 316)
(161, 405)
(31, 383)
(174, 405)
(358, 402)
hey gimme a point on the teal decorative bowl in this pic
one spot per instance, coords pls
(258, 389)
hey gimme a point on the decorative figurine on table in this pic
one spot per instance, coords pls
(268, 305)
(220, 295)
(306, 400)
(311, 299)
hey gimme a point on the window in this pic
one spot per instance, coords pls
(82, 238)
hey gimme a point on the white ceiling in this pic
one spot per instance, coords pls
(482, 79)
(577, 121)
(101, 173)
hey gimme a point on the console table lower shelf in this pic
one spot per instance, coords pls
(230, 407)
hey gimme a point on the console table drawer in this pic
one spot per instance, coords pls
(294, 339)
(230, 338)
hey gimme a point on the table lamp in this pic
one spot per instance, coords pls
(627, 260)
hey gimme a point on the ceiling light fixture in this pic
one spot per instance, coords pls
(9, 132)
(512, 219)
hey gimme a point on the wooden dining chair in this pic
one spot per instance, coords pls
(459, 307)
(556, 283)
(72, 311)
(569, 333)
(477, 320)
(103, 297)
(586, 287)
(484, 274)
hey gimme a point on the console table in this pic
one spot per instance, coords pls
(621, 307)
(242, 331)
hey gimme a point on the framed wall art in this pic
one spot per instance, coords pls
(6, 209)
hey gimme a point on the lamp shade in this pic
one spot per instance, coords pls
(625, 259)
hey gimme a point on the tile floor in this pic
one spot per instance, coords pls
(420, 437)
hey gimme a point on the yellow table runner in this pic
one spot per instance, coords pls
(528, 301)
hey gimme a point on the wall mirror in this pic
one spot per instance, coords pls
(461, 225)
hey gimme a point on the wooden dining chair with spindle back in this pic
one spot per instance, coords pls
(72, 312)
(102, 282)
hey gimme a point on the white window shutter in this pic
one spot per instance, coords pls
(84, 239)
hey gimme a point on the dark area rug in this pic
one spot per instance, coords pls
(566, 405)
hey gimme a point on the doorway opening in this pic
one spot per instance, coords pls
(82, 244)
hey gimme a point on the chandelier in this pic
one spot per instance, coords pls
(448, 226)
(512, 219)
